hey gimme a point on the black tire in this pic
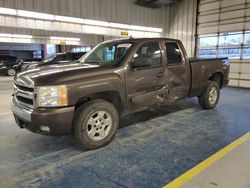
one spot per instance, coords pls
(83, 115)
(205, 100)
(11, 72)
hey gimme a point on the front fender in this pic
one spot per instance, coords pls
(91, 86)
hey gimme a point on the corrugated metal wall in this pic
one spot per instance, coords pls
(182, 23)
(220, 19)
(121, 11)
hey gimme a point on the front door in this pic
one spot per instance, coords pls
(145, 80)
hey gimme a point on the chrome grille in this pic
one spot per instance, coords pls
(24, 95)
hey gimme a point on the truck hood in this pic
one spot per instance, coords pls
(55, 74)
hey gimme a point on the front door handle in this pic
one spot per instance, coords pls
(160, 74)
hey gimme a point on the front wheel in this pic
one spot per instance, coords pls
(209, 99)
(95, 123)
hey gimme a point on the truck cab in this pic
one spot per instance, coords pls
(158, 70)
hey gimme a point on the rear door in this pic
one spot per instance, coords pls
(178, 70)
(144, 84)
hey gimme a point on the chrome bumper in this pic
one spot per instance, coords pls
(20, 112)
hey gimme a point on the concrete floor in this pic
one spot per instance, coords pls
(151, 148)
(230, 171)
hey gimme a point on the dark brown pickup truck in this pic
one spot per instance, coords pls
(117, 77)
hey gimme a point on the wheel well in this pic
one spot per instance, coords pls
(110, 96)
(217, 77)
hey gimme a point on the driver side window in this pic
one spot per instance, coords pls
(149, 54)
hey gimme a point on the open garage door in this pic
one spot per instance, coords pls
(224, 31)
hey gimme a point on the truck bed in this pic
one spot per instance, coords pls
(202, 69)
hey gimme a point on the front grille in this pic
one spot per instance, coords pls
(24, 95)
(29, 89)
(25, 100)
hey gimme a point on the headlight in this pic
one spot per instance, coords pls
(52, 96)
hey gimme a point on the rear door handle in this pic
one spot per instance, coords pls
(160, 74)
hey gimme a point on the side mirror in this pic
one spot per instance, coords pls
(141, 62)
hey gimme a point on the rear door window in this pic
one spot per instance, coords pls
(174, 56)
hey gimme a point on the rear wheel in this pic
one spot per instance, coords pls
(11, 72)
(209, 99)
(95, 123)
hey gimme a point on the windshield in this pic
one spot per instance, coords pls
(107, 54)
(50, 58)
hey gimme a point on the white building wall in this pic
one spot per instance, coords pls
(182, 23)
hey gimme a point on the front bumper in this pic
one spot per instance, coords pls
(58, 120)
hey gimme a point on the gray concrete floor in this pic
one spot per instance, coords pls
(233, 170)
(151, 148)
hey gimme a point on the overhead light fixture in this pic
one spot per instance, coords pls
(16, 38)
(143, 28)
(96, 23)
(8, 11)
(118, 25)
(69, 19)
(154, 29)
(22, 36)
(135, 27)
(65, 39)
(30, 14)
(6, 35)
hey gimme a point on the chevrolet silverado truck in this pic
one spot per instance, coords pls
(116, 78)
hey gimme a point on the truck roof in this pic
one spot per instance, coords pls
(140, 39)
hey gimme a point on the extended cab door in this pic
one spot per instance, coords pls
(145, 77)
(177, 71)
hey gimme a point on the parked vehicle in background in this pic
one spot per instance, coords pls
(27, 62)
(9, 65)
(116, 78)
(58, 58)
